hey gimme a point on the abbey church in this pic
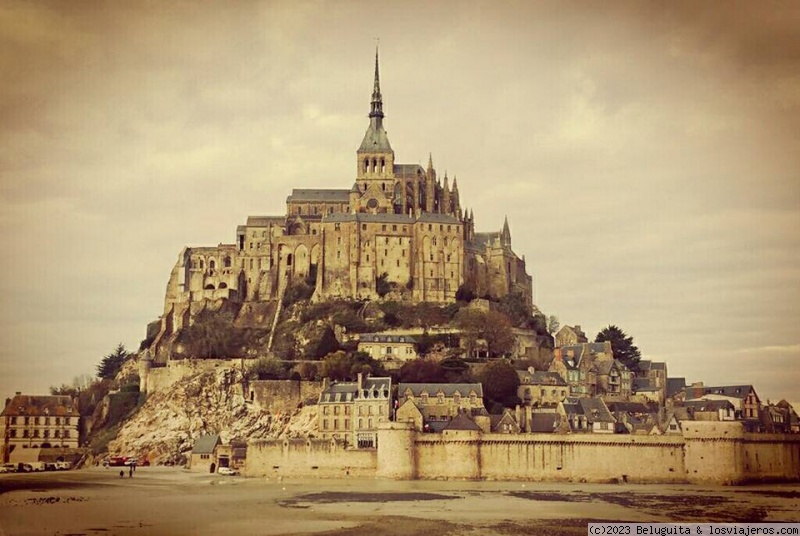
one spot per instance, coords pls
(399, 227)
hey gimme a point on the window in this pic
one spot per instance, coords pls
(363, 226)
(325, 424)
(388, 350)
(383, 227)
(367, 257)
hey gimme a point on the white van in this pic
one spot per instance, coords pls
(63, 466)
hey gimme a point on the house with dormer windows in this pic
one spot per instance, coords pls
(351, 411)
(442, 401)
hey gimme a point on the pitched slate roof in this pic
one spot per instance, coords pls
(462, 422)
(386, 337)
(628, 407)
(431, 217)
(205, 444)
(675, 386)
(540, 377)
(348, 391)
(733, 391)
(481, 239)
(595, 410)
(708, 405)
(448, 389)
(407, 170)
(544, 422)
(375, 140)
(330, 195)
(53, 405)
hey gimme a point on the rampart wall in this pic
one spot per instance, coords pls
(308, 457)
(706, 453)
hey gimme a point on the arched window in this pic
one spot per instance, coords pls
(227, 262)
(383, 165)
(374, 165)
(223, 285)
(211, 264)
(366, 165)
(209, 287)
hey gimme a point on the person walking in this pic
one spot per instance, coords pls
(130, 471)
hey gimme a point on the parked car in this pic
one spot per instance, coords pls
(63, 466)
(48, 466)
(227, 471)
(37, 466)
(8, 468)
(24, 468)
(131, 461)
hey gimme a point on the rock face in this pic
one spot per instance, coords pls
(164, 429)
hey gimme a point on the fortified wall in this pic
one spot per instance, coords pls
(707, 453)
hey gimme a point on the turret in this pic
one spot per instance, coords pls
(430, 185)
(505, 235)
(455, 199)
(375, 157)
(445, 197)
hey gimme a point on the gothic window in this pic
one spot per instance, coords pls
(383, 165)
(366, 165)
(367, 257)
(227, 262)
(211, 264)
(251, 264)
(374, 165)
(445, 241)
(434, 241)
(363, 226)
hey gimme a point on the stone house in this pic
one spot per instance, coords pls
(744, 398)
(570, 336)
(710, 410)
(599, 419)
(32, 421)
(541, 388)
(505, 423)
(575, 364)
(388, 348)
(203, 458)
(442, 401)
(351, 411)
(611, 379)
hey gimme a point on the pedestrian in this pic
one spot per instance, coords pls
(121, 473)
(130, 471)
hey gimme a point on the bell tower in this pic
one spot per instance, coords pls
(375, 157)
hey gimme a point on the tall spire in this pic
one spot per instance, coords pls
(377, 101)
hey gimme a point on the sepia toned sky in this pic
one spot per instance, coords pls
(647, 156)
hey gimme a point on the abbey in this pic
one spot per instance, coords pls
(399, 229)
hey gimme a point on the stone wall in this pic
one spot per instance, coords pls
(309, 458)
(707, 453)
(282, 396)
(162, 378)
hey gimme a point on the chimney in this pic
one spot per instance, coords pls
(360, 381)
(325, 383)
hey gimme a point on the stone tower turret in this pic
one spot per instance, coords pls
(375, 157)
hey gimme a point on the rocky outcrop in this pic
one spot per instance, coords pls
(164, 429)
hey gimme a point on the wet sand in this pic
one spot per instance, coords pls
(160, 500)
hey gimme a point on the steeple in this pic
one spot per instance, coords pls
(375, 158)
(505, 236)
(376, 112)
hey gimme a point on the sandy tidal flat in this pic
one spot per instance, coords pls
(171, 501)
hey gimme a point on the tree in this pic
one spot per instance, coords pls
(516, 308)
(422, 371)
(500, 380)
(341, 366)
(111, 364)
(497, 332)
(382, 285)
(553, 324)
(268, 369)
(622, 346)
(327, 344)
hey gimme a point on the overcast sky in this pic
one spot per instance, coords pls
(647, 156)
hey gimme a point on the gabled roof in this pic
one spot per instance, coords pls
(349, 391)
(544, 422)
(432, 217)
(643, 385)
(540, 377)
(331, 195)
(595, 410)
(387, 337)
(628, 407)
(507, 417)
(462, 422)
(52, 405)
(448, 389)
(206, 444)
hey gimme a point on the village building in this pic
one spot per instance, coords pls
(442, 401)
(393, 350)
(32, 422)
(744, 398)
(611, 379)
(350, 411)
(570, 336)
(203, 457)
(541, 388)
